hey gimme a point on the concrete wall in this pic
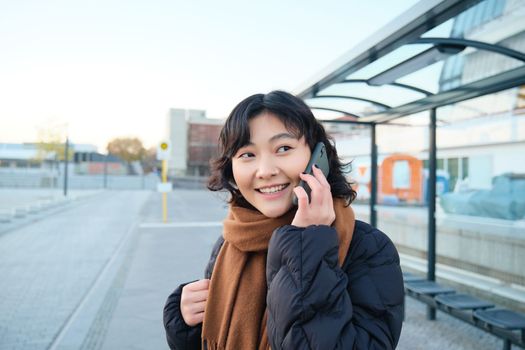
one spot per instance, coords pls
(113, 182)
(31, 179)
(490, 247)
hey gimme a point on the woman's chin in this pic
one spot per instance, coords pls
(275, 211)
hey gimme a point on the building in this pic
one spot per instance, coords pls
(85, 159)
(24, 156)
(194, 140)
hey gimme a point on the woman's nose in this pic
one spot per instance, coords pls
(266, 168)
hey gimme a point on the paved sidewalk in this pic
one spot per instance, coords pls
(166, 256)
(48, 267)
(19, 207)
(97, 276)
(11, 198)
(178, 252)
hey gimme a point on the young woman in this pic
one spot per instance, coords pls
(282, 276)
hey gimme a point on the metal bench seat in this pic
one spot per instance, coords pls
(505, 324)
(409, 277)
(427, 288)
(502, 318)
(462, 302)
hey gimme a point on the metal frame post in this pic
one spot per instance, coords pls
(106, 171)
(66, 161)
(373, 176)
(431, 186)
(164, 194)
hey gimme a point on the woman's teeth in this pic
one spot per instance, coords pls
(272, 189)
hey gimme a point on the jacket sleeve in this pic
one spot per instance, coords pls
(180, 336)
(315, 304)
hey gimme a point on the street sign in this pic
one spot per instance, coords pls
(164, 187)
(163, 150)
(163, 154)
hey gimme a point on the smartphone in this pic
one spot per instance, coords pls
(318, 158)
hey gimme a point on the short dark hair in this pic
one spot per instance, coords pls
(297, 118)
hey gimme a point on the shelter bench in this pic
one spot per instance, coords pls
(503, 323)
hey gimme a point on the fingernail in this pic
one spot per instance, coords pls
(315, 165)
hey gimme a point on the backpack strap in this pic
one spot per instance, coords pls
(214, 253)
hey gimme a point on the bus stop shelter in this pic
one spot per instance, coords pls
(412, 67)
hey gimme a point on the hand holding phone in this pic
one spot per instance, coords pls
(319, 158)
(315, 208)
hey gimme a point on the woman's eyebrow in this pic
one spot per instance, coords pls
(283, 135)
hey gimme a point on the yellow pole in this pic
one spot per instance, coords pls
(164, 194)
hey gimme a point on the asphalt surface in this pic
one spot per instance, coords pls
(96, 274)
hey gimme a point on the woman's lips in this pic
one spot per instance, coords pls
(273, 195)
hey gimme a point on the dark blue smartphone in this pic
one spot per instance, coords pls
(320, 159)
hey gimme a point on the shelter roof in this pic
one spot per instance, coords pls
(419, 61)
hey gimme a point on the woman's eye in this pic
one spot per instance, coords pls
(283, 149)
(246, 155)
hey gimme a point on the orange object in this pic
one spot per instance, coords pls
(362, 170)
(412, 191)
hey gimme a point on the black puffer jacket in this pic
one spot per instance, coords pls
(312, 302)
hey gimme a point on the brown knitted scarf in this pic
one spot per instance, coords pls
(235, 316)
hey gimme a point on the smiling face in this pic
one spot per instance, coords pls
(267, 169)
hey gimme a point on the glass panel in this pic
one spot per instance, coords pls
(478, 23)
(426, 78)
(464, 167)
(440, 164)
(351, 106)
(499, 5)
(401, 211)
(383, 63)
(453, 172)
(480, 180)
(477, 16)
(353, 147)
(326, 115)
(478, 13)
(401, 170)
(401, 175)
(469, 20)
(418, 119)
(484, 12)
(467, 67)
(441, 31)
(386, 94)
(481, 217)
(481, 64)
(451, 74)
(459, 25)
(520, 101)
(490, 119)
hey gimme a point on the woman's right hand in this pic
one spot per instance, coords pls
(318, 211)
(193, 301)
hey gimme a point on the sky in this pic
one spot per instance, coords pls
(96, 70)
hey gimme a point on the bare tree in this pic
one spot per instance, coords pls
(51, 141)
(127, 148)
